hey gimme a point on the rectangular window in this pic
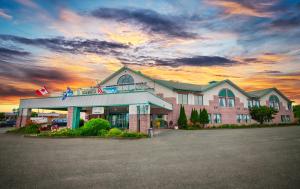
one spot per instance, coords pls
(238, 118)
(287, 118)
(182, 98)
(283, 118)
(217, 118)
(222, 101)
(245, 118)
(231, 102)
(198, 100)
(250, 103)
(209, 118)
(256, 103)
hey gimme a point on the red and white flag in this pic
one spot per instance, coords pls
(99, 90)
(41, 92)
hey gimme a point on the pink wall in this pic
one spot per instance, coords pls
(228, 114)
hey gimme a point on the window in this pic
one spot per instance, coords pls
(226, 98)
(248, 119)
(125, 79)
(285, 118)
(239, 118)
(231, 102)
(253, 103)
(274, 102)
(209, 118)
(217, 118)
(222, 101)
(289, 106)
(198, 100)
(182, 98)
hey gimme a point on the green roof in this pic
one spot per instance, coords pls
(175, 85)
(263, 92)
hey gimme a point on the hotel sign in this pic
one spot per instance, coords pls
(110, 90)
(98, 110)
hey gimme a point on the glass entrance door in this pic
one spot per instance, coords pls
(120, 120)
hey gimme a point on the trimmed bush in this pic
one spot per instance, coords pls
(114, 132)
(30, 128)
(133, 135)
(93, 126)
(102, 132)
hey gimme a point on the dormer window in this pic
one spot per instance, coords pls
(125, 80)
(226, 98)
(274, 102)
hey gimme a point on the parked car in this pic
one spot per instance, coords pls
(59, 122)
(8, 123)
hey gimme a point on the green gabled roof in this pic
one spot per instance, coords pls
(175, 85)
(263, 92)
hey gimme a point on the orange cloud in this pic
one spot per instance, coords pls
(234, 8)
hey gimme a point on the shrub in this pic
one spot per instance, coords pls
(133, 135)
(182, 120)
(32, 129)
(93, 126)
(81, 122)
(62, 132)
(102, 132)
(114, 132)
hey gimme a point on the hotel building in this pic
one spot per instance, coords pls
(131, 100)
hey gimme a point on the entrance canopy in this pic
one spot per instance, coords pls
(117, 99)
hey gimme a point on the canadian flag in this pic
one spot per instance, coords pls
(99, 90)
(42, 91)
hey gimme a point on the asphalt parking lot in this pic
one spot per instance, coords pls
(224, 158)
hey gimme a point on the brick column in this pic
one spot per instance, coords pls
(139, 118)
(24, 117)
(73, 117)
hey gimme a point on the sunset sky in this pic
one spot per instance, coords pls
(255, 44)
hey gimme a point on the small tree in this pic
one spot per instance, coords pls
(182, 120)
(194, 116)
(34, 114)
(2, 115)
(262, 113)
(296, 110)
(203, 117)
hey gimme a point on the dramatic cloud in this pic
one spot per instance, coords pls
(197, 61)
(6, 53)
(255, 8)
(149, 19)
(12, 91)
(290, 22)
(60, 44)
(5, 15)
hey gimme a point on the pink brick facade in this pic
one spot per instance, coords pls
(23, 118)
(144, 123)
(228, 114)
(70, 117)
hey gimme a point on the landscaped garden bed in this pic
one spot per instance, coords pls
(233, 126)
(93, 128)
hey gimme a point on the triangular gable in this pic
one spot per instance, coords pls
(277, 91)
(211, 86)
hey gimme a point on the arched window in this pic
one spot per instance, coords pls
(125, 79)
(274, 102)
(226, 98)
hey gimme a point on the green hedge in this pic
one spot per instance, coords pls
(234, 126)
(28, 129)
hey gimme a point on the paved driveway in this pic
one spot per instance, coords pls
(237, 158)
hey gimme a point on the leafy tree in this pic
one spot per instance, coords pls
(34, 114)
(296, 110)
(203, 117)
(262, 114)
(182, 120)
(2, 115)
(194, 116)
